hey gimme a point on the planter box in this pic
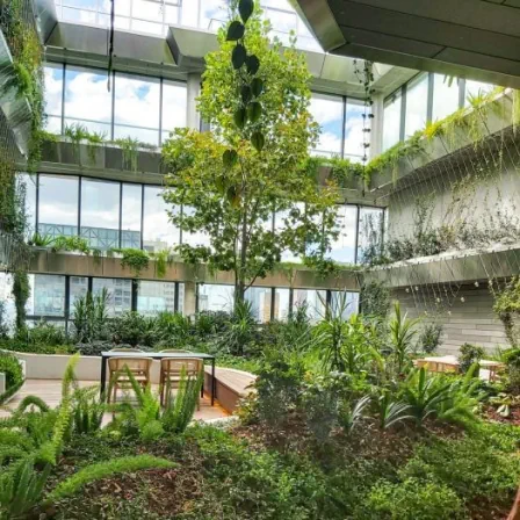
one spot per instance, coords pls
(100, 158)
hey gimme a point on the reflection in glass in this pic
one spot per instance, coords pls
(53, 77)
(416, 105)
(100, 213)
(47, 295)
(182, 295)
(344, 303)
(155, 297)
(174, 106)
(78, 289)
(131, 216)
(198, 238)
(327, 111)
(87, 100)
(392, 121)
(371, 227)
(58, 205)
(215, 298)
(136, 109)
(445, 96)
(260, 299)
(314, 301)
(158, 232)
(282, 304)
(354, 125)
(343, 248)
(119, 293)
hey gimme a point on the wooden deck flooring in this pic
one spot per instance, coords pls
(50, 392)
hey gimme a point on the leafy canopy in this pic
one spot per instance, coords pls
(253, 161)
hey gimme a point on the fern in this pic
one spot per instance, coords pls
(104, 470)
(88, 410)
(21, 490)
(34, 401)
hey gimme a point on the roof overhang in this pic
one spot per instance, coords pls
(474, 39)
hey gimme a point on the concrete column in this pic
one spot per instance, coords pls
(376, 135)
(193, 117)
(190, 298)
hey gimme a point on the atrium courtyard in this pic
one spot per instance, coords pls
(259, 259)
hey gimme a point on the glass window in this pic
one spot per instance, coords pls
(78, 289)
(182, 296)
(344, 303)
(314, 301)
(371, 225)
(87, 100)
(131, 216)
(158, 232)
(283, 221)
(392, 121)
(47, 296)
(215, 297)
(213, 14)
(137, 106)
(7, 300)
(89, 12)
(174, 107)
(155, 297)
(58, 205)
(475, 89)
(199, 238)
(343, 248)
(416, 105)
(260, 299)
(53, 75)
(119, 294)
(354, 130)
(282, 304)
(100, 213)
(327, 111)
(445, 96)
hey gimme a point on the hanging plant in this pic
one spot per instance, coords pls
(135, 259)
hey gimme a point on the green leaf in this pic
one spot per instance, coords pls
(240, 118)
(235, 31)
(246, 94)
(253, 64)
(233, 196)
(257, 87)
(239, 56)
(230, 158)
(258, 141)
(254, 111)
(245, 8)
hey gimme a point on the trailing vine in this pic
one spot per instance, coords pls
(365, 75)
(507, 307)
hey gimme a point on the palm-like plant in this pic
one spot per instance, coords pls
(425, 394)
(390, 412)
(351, 414)
(402, 333)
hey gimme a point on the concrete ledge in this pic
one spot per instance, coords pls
(43, 261)
(457, 267)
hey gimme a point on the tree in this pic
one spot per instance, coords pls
(253, 161)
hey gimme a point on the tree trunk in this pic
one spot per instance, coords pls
(515, 512)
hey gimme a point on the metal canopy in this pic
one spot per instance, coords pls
(475, 39)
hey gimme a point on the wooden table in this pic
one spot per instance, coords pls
(157, 355)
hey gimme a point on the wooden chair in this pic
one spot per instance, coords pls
(171, 373)
(119, 379)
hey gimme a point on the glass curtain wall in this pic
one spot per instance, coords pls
(427, 97)
(138, 107)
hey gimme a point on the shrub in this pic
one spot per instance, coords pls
(512, 361)
(103, 470)
(430, 337)
(94, 348)
(415, 500)
(133, 329)
(12, 369)
(470, 354)
(471, 467)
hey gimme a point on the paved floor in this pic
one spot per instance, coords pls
(50, 392)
